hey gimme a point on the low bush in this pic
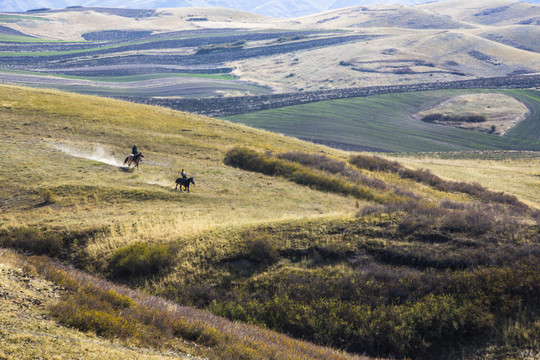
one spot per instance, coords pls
(374, 163)
(32, 240)
(262, 249)
(252, 160)
(48, 197)
(332, 166)
(470, 118)
(141, 260)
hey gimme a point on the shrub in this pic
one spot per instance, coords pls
(375, 163)
(262, 249)
(470, 118)
(141, 259)
(48, 197)
(32, 240)
(324, 163)
(252, 160)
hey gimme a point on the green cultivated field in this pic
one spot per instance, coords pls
(22, 39)
(386, 123)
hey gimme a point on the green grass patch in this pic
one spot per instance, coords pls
(23, 39)
(4, 18)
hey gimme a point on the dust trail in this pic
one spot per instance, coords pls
(162, 183)
(97, 154)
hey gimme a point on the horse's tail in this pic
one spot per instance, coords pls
(125, 161)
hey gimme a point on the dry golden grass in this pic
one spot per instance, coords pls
(52, 136)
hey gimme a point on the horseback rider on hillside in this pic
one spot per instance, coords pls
(183, 173)
(134, 150)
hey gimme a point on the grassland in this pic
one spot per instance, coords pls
(388, 123)
(276, 232)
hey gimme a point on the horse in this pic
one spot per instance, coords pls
(136, 159)
(184, 182)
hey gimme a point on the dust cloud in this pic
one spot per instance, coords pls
(97, 154)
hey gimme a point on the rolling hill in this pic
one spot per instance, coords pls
(274, 8)
(349, 251)
(500, 12)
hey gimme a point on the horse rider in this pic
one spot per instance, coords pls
(134, 150)
(183, 173)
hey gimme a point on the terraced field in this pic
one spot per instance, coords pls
(176, 61)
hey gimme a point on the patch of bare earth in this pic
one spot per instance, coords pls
(502, 112)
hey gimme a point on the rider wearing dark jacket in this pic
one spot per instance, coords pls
(134, 150)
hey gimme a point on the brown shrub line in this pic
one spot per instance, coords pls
(332, 166)
(251, 160)
(477, 220)
(376, 163)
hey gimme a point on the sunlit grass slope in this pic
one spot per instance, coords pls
(49, 134)
(353, 252)
(63, 183)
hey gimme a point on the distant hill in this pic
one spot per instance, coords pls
(274, 8)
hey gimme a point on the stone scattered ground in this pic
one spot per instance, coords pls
(28, 332)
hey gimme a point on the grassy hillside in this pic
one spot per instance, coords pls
(63, 180)
(386, 123)
(353, 252)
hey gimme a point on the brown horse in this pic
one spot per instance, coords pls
(134, 159)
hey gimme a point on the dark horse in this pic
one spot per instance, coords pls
(134, 159)
(184, 182)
